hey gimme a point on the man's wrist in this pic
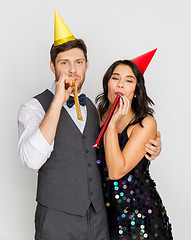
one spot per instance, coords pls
(56, 103)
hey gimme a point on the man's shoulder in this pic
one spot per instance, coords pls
(33, 103)
(46, 93)
(91, 103)
(45, 99)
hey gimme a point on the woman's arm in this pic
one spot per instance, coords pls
(119, 162)
(153, 147)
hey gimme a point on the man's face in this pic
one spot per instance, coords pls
(71, 63)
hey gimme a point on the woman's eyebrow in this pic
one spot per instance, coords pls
(130, 76)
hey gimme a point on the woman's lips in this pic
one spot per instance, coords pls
(118, 92)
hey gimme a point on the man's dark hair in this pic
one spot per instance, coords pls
(78, 43)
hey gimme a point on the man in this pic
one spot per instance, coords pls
(53, 140)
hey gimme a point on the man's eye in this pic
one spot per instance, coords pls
(64, 63)
(79, 62)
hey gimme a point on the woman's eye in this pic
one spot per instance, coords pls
(114, 78)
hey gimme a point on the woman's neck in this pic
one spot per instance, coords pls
(123, 122)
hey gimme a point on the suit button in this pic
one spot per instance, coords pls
(84, 137)
(90, 179)
(87, 150)
(89, 165)
(91, 193)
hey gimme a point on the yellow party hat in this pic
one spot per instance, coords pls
(62, 33)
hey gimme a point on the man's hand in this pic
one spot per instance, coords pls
(63, 88)
(153, 147)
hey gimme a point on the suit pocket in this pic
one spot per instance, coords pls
(40, 215)
(53, 227)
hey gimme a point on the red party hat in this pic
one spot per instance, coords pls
(143, 61)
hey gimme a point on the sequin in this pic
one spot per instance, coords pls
(135, 210)
(121, 194)
(130, 178)
(142, 231)
(117, 196)
(156, 226)
(149, 211)
(145, 235)
(98, 161)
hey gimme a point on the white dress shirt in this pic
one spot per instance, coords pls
(34, 149)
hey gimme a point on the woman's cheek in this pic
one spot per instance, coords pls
(131, 93)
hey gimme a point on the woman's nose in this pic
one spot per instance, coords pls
(120, 84)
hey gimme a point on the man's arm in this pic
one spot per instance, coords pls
(37, 130)
(153, 147)
(34, 150)
(49, 124)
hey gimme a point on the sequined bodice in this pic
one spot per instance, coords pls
(135, 209)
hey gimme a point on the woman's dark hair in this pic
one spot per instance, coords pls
(77, 43)
(141, 101)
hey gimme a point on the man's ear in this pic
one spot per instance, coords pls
(87, 64)
(52, 67)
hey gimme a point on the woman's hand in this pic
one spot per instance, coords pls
(121, 110)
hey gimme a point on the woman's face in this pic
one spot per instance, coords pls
(122, 80)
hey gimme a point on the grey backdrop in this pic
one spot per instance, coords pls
(112, 30)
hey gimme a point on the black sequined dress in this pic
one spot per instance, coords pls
(135, 209)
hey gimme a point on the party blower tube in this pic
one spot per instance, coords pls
(100, 137)
(76, 100)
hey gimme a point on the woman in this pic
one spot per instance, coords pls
(135, 210)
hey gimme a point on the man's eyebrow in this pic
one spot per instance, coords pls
(65, 59)
(80, 59)
(62, 60)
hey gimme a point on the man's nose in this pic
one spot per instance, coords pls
(72, 68)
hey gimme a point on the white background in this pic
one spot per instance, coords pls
(112, 30)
